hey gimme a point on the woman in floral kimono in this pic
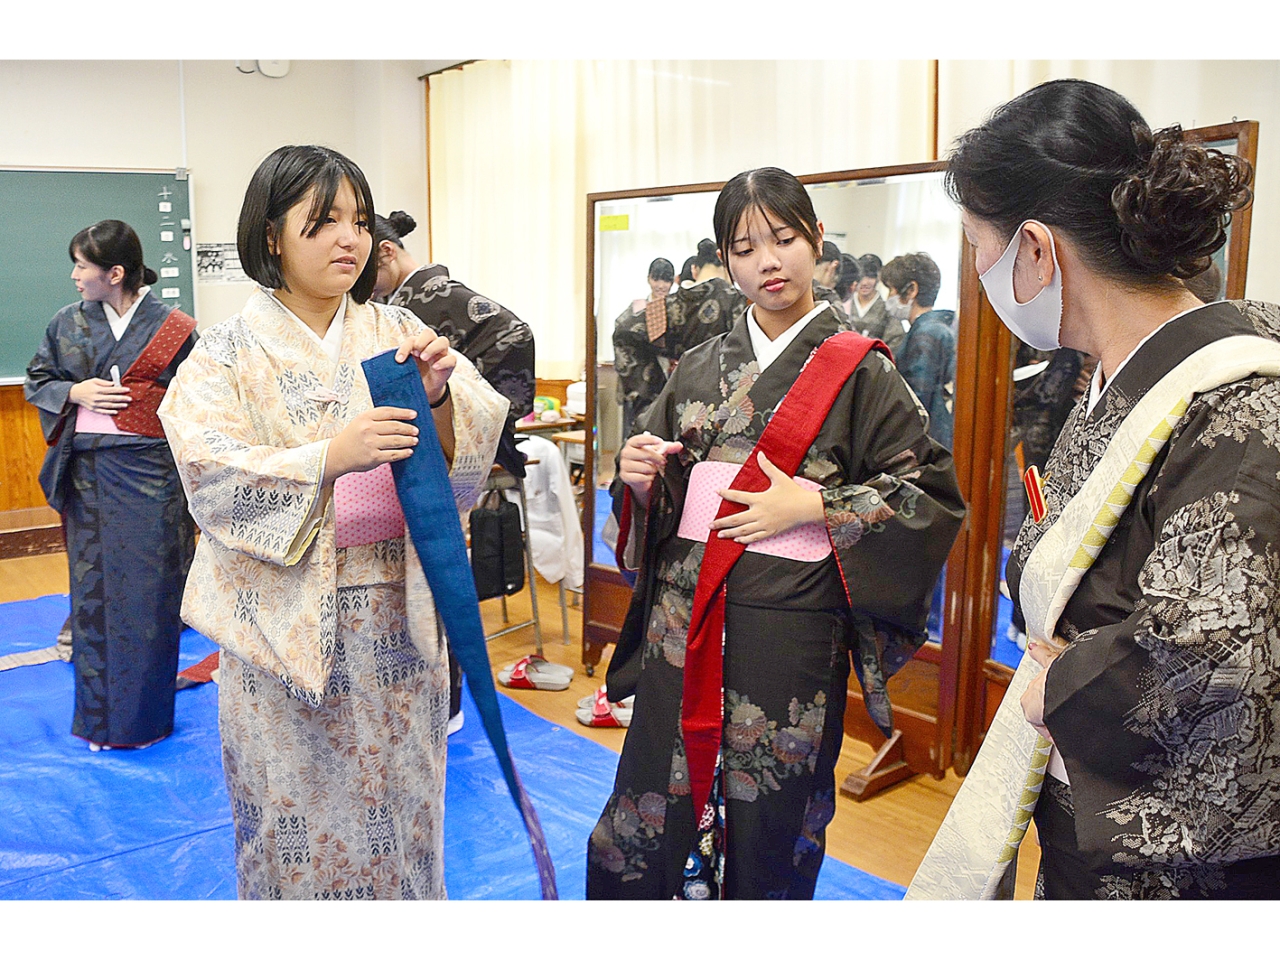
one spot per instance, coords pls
(129, 536)
(1149, 582)
(872, 484)
(648, 345)
(333, 695)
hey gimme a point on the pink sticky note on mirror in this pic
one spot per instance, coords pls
(809, 542)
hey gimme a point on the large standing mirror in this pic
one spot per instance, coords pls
(885, 212)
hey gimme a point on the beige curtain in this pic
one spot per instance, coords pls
(517, 145)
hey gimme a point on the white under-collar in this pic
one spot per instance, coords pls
(118, 323)
(862, 311)
(331, 342)
(1096, 386)
(420, 267)
(767, 350)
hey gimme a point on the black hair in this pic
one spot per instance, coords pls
(776, 194)
(392, 227)
(686, 271)
(870, 265)
(829, 252)
(707, 255)
(899, 272)
(1141, 207)
(282, 181)
(662, 269)
(1206, 286)
(113, 243)
(850, 273)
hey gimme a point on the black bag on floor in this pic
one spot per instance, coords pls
(497, 548)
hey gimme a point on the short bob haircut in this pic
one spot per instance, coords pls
(778, 196)
(917, 268)
(113, 243)
(282, 181)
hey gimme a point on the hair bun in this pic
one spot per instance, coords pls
(402, 223)
(707, 248)
(149, 276)
(1173, 213)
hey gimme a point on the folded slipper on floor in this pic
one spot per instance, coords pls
(535, 673)
(602, 713)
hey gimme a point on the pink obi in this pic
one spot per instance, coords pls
(89, 422)
(808, 542)
(366, 508)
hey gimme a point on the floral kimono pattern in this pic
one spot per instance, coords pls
(1163, 704)
(793, 629)
(334, 695)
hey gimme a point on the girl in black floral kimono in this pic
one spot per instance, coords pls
(873, 485)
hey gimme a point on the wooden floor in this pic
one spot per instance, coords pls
(886, 835)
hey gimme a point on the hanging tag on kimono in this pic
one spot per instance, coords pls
(1035, 493)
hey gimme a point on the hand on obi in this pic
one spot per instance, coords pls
(100, 396)
(1043, 653)
(783, 506)
(435, 360)
(643, 458)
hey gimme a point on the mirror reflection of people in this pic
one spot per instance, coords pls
(874, 485)
(494, 339)
(1161, 667)
(927, 355)
(868, 315)
(333, 697)
(129, 535)
(828, 267)
(685, 277)
(1206, 285)
(847, 281)
(644, 353)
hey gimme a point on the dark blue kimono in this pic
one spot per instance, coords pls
(130, 538)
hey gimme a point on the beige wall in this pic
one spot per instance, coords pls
(129, 114)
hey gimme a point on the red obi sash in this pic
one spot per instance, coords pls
(140, 415)
(786, 438)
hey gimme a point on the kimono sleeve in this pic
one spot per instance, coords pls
(1167, 720)
(254, 498)
(636, 362)
(479, 414)
(48, 386)
(892, 529)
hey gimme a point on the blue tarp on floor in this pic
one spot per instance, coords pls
(156, 824)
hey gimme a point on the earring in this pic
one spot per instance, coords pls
(1039, 276)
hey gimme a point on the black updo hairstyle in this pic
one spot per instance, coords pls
(392, 227)
(282, 181)
(870, 265)
(707, 254)
(1141, 207)
(778, 196)
(662, 270)
(113, 243)
(686, 271)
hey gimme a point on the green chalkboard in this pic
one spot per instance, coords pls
(44, 209)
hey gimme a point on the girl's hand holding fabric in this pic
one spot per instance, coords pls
(783, 506)
(644, 457)
(1033, 697)
(435, 360)
(373, 438)
(100, 396)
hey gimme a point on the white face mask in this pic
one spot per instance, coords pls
(897, 308)
(1036, 322)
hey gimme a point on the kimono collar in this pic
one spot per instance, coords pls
(767, 350)
(435, 269)
(1167, 346)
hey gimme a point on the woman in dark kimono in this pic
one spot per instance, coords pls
(130, 538)
(646, 346)
(493, 338)
(1160, 638)
(874, 486)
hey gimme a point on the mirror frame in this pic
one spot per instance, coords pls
(983, 681)
(925, 744)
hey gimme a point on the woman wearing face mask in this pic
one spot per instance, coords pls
(334, 691)
(1149, 582)
(110, 474)
(726, 780)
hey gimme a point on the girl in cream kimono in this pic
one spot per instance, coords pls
(334, 693)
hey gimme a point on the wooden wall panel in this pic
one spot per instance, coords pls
(22, 450)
